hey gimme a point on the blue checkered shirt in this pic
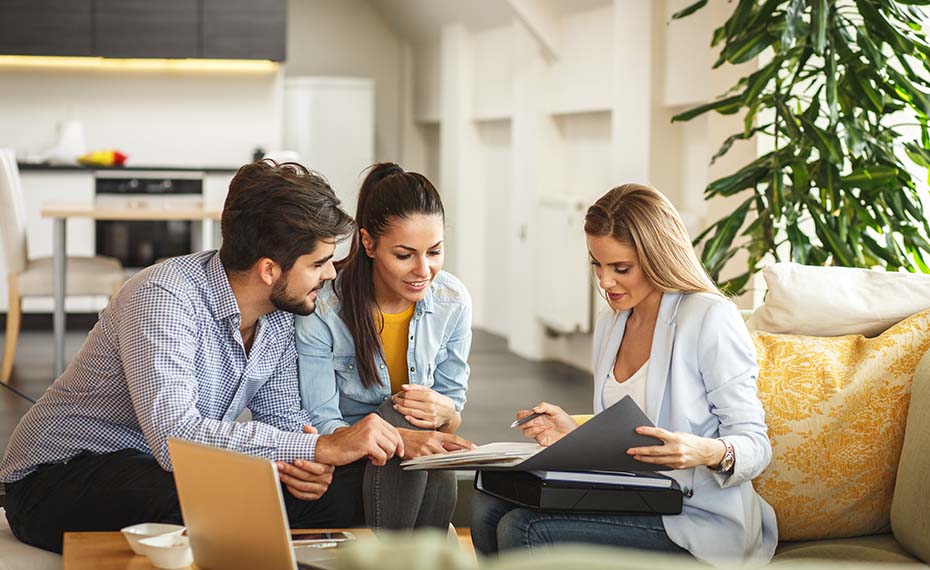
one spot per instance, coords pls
(166, 359)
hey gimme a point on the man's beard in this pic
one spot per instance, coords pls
(283, 302)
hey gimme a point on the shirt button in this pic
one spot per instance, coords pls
(386, 398)
(411, 338)
(382, 367)
(351, 367)
(412, 369)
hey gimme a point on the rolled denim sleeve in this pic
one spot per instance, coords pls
(158, 362)
(319, 392)
(451, 375)
(728, 364)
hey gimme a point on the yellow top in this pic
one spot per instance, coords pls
(394, 340)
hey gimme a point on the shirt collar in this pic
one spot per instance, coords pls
(222, 301)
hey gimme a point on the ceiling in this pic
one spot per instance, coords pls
(421, 21)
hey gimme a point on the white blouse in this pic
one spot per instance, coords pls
(634, 386)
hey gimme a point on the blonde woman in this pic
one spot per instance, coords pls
(680, 349)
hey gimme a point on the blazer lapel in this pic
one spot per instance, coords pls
(608, 355)
(660, 357)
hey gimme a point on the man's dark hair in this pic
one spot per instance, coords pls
(278, 211)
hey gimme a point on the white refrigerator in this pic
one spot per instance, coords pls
(330, 123)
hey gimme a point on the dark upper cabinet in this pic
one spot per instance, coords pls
(244, 29)
(45, 27)
(147, 28)
(220, 29)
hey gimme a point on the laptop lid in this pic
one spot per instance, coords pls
(232, 507)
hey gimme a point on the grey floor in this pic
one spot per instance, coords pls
(501, 383)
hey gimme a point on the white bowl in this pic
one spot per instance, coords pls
(168, 551)
(137, 532)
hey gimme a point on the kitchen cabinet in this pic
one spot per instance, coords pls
(45, 27)
(142, 28)
(244, 29)
(213, 29)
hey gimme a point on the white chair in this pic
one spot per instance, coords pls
(33, 277)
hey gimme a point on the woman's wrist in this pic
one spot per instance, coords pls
(717, 450)
(451, 424)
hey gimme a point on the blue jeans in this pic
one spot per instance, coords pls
(497, 525)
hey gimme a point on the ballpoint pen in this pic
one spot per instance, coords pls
(530, 417)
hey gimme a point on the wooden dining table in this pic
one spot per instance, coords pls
(61, 212)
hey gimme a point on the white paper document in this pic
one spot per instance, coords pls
(500, 454)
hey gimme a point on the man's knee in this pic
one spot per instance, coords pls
(339, 506)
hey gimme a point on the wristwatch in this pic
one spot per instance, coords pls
(729, 459)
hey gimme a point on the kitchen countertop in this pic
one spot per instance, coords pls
(29, 166)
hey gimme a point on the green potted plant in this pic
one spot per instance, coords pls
(845, 98)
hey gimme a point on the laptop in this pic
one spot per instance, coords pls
(234, 511)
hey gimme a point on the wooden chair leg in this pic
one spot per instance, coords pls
(13, 318)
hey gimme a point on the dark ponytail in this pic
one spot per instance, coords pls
(387, 194)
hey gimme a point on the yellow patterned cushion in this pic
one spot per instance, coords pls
(836, 409)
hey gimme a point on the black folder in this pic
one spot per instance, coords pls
(528, 490)
(600, 444)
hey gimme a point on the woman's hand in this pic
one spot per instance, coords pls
(423, 407)
(419, 443)
(549, 428)
(680, 450)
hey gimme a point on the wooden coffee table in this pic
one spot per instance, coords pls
(110, 551)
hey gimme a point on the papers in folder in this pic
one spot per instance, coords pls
(501, 454)
(597, 445)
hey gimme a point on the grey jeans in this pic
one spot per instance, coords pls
(396, 499)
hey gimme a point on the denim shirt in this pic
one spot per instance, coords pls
(331, 389)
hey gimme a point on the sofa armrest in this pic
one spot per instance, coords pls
(910, 508)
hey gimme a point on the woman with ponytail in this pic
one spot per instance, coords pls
(391, 337)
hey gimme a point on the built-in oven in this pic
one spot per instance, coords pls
(140, 243)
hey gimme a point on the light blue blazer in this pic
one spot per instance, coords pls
(701, 379)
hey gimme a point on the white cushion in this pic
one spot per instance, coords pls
(14, 555)
(84, 276)
(835, 301)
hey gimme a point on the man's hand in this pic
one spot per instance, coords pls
(548, 428)
(423, 407)
(305, 480)
(418, 443)
(370, 437)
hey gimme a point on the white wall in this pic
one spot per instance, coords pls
(349, 38)
(496, 166)
(588, 111)
(162, 118)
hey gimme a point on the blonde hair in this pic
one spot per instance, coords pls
(641, 217)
